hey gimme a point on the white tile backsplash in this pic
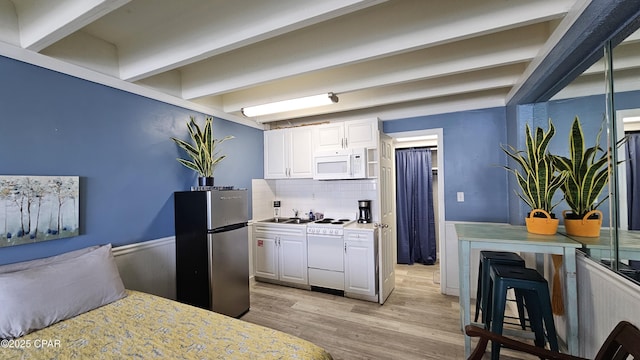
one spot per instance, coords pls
(336, 197)
(263, 194)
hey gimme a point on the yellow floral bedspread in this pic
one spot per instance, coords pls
(145, 326)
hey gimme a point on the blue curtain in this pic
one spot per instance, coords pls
(414, 207)
(633, 181)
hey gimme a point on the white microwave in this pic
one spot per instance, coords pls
(340, 164)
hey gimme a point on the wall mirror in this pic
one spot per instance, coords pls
(607, 96)
(624, 82)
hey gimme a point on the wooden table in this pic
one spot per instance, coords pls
(504, 237)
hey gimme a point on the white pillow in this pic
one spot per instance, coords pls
(44, 261)
(37, 297)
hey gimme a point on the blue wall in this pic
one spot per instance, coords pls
(473, 161)
(118, 143)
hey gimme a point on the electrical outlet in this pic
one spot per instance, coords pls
(460, 195)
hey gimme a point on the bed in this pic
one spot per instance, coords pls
(129, 324)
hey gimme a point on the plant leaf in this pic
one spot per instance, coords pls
(202, 150)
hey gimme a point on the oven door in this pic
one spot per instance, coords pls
(325, 252)
(325, 260)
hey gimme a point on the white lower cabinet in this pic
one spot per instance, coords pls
(360, 270)
(280, 253)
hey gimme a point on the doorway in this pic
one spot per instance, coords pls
(432, 138)
(415, 223)
(627, 121)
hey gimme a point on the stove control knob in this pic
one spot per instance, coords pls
(324, 231)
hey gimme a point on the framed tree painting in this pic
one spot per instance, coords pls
(38, 208)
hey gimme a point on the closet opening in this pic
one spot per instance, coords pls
(429, 142)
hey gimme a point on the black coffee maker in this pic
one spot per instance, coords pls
(364, 216)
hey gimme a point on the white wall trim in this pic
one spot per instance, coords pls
(626, 286)
(126, 249)
(604, 299)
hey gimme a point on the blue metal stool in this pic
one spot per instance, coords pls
(483, 294)
(529, 284)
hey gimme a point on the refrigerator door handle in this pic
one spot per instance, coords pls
(228, 228)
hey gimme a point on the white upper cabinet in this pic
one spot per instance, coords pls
(361, 133)
(301, 150)
(275, 154)
(345, 135)
(329, 136)
(288, 153)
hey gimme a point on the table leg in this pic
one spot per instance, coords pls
(572, 299)
(464, 258)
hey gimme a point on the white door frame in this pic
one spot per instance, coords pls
(439, 143)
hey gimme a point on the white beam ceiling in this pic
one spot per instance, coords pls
(384, 58)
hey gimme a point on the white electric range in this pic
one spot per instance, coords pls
(325, 252)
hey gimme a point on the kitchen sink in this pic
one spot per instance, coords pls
(298, 221)
(279, 220)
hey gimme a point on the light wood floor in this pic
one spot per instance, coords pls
(416, 322)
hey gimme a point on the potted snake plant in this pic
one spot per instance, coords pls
(538, 179)
(587, 175)
(202, 151)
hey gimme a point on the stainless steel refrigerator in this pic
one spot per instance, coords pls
(212, 251)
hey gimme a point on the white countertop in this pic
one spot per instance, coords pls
(359, 226)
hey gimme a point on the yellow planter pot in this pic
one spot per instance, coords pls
(583, 227)
(541, 226)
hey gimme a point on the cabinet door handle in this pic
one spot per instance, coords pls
(345, 247)
(346, 142)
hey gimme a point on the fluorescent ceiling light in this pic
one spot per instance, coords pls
(417, 138)
(289, 105)
(631, 119)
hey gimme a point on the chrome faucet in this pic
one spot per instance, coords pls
(295, 213)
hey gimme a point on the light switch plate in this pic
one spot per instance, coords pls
(460, 195)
